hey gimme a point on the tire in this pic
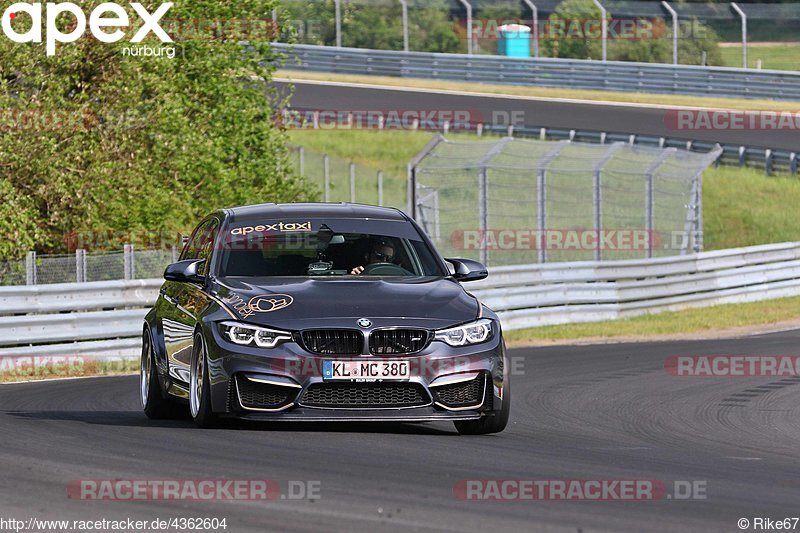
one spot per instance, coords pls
(489, 424)
(200, 387)
(154, 404)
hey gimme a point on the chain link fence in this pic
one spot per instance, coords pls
(511, 201)
(341, 180)
(83, 266)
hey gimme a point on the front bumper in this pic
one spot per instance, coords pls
(286, 383)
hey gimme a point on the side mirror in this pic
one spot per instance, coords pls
(185, 271)
(468, 270)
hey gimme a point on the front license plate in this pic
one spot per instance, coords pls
(365, 370)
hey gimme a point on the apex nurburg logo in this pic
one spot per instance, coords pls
(106, 15)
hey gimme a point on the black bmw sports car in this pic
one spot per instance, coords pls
(322, 312)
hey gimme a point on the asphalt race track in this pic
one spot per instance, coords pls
(637, 119)
(581, 412)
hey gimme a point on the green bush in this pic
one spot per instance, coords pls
(113, 142)
(378, 26)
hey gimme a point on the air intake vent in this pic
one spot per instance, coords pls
(365, 395)
(255, 395)
(463, 394)
(398, 341)
(333, 341)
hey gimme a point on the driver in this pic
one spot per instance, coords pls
(382, 251)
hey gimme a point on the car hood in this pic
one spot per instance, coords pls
(300, 303)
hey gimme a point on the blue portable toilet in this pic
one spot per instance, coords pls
(514, 40)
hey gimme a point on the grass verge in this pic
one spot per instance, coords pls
(39, 368)
(775, 56)
(735, 318)
(544, 92)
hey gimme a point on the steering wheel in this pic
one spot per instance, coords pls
(385, 269)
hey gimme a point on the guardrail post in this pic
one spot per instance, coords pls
(675, 30)
(380, 188)
(768, 156)
(127, 260)
(326, 165)
(80, 265)
(30, 268)
(352, 182)
(793, 162)
(743, 16)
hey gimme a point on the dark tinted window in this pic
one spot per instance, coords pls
(325, 253)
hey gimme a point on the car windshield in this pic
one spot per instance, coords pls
(260, 251)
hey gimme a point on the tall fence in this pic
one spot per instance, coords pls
(512, 201)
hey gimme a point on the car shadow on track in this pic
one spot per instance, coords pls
(137, 419)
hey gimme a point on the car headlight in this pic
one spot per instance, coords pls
(245, 334)
(472, 333)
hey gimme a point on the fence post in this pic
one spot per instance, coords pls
(302, 154)
(535, 13)
(338, 8)
(467, 5)
(649, 198)
(352, 182)
(127, 256)
(30, 268)
(541, 198)
(483, 211)
(743, 16)
(404, 5)
(326, 164)
(604, 26)
(674, 15)
(80, 265)
(380, 188)
(598, 197)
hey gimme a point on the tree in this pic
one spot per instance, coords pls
(573, 31)
(98, 140)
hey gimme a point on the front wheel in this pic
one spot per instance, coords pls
(154, 404)
(489, 424)
(200, 387)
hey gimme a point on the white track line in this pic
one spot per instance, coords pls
(424, 90)
(64, 379)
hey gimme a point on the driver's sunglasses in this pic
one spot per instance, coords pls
(382, 257)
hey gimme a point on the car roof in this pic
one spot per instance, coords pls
(313, 210)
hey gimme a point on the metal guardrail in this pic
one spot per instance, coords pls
(549, 72)
(95, 319)
(536, 295)
(104, 319)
